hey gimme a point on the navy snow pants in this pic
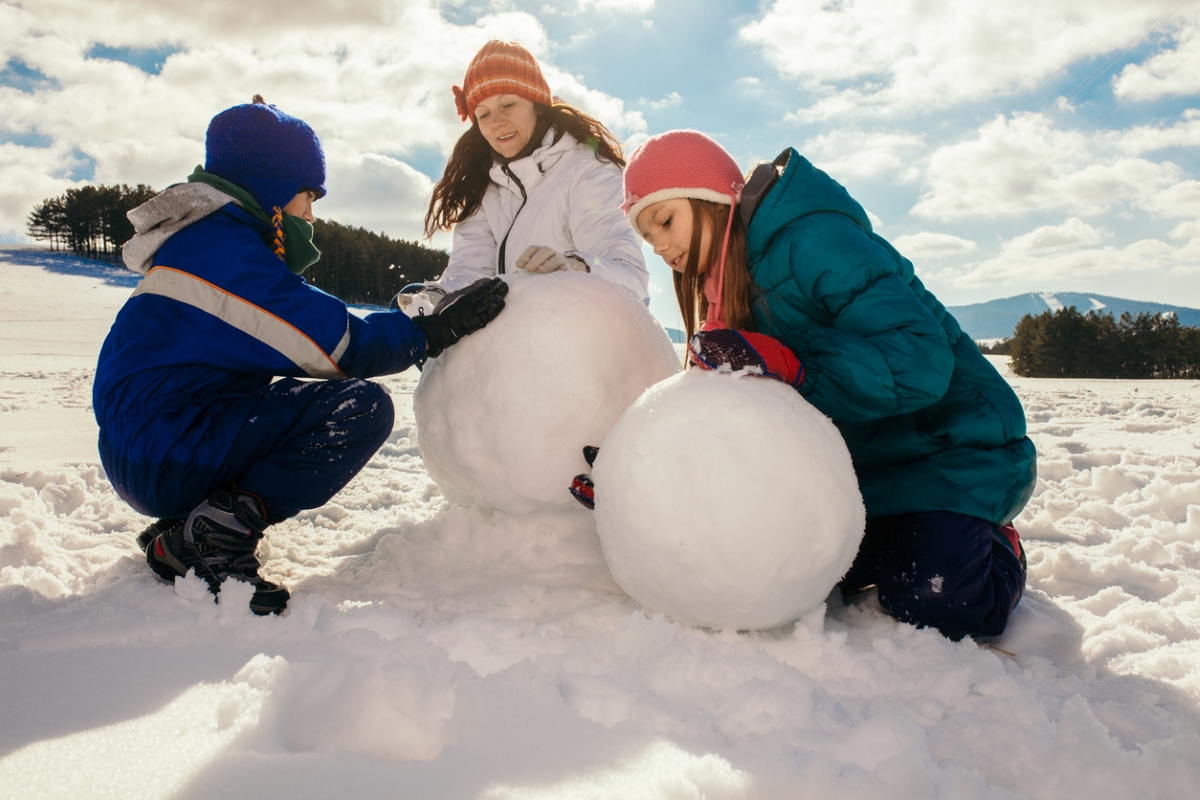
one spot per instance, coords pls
(941, 570)
(296, 445)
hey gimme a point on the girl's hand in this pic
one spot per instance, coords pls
(727, 350)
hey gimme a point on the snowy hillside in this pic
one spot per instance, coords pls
(432, 651)
(996, 319)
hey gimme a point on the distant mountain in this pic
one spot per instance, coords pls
(996, 319)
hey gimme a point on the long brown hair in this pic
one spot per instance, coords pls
(460, 191)
(737, 292)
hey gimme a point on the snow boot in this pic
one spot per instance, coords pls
(157, 527)
(1007, 536)
(218, 540)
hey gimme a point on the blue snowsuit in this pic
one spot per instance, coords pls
(937, 436)
(184, 392)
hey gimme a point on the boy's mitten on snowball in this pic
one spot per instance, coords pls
(461, 313)
(538, 259)
(730, 350)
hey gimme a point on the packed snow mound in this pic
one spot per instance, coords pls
(504, 415)
(727, 501)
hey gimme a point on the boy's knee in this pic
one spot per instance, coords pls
(374, 408)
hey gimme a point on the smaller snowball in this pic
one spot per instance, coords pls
(727, 501)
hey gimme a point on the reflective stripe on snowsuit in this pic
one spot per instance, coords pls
(252, 320)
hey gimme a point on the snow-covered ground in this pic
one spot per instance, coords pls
(437, 652)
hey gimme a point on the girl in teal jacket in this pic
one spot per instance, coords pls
(782, 273)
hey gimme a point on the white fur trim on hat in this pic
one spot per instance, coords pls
(642, 203)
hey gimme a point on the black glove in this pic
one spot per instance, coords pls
(460, 313)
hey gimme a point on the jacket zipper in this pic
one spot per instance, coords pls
(524, 199)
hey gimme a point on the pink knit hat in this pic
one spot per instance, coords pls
(679, 164)
(683, 164)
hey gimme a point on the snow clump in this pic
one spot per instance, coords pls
(503, 416)
(727, 501)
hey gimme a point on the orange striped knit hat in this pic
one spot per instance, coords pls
(501, 68)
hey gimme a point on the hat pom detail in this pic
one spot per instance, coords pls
(460, 103)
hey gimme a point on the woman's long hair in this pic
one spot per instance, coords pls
(737, 292)
(460, 191)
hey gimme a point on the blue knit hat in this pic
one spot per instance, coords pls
(270, 154)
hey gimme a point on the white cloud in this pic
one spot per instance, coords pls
(622, 6)
(1024, 164)
(863, 153)
(604, 107)
(1071, 234)
(372, 77)
(673, 99)
(1180, 200)
(883, 56)
(1168, 72)
(373, 191)
(1142, 139)
(1186, 230)
(926, 245)
(1146, 255)
(1071, 250)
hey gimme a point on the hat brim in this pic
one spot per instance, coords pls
(643, 203)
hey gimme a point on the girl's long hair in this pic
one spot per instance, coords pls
(460, 191)
(737, 293)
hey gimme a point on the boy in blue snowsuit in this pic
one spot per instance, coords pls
(194, 426)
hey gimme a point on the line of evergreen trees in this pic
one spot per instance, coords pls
(360, 266)
(89, 221)
(1067, 344)
(356, 264)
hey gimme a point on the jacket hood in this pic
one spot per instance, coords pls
(801, 189)
(161, 217)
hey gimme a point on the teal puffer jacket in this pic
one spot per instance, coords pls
(930, 424)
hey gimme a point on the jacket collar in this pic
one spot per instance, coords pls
(529, 170)
(800, 190)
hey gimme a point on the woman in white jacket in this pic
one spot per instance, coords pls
(533, 185)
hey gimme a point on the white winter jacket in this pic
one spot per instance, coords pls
(571, 202)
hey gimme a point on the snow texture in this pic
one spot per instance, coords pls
(727, 501)
(434, 651)
(504, 415)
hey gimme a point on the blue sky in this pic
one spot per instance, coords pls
(1032, 145)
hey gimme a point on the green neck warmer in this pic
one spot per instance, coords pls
(299, 252)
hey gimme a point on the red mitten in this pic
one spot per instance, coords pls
(733, 351)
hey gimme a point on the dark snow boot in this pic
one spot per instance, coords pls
(1007, 536)
(157, 527)
(218, 540)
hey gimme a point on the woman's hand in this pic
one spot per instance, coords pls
(727, 350)
(542, 260)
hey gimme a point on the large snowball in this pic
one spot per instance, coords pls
(727, 501)
(503, 416)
